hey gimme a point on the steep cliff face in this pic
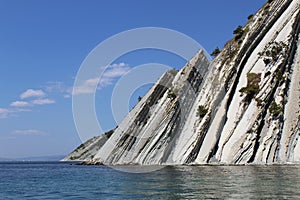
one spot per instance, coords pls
(148, 134)
(243, 107)
(254, 121)
(88, 150)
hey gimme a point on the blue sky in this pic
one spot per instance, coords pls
(43, 43)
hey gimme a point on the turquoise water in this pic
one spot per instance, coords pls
(54, 180)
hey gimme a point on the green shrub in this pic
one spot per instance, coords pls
(253, 78)
(139, 98)
(279, 76)
(275, 109)
(252, 87)
(215, 52)
(202, 111)
(109, 133)
(273, 51)
(171, 95)
(74, 157)
(250, 16)
(238, 32)
(250, 90)
(267, 61)
(259, 101)
(173, 71)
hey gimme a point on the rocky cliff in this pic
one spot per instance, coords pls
(243, 107)
(87, 150)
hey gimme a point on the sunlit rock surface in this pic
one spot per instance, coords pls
(243, 107)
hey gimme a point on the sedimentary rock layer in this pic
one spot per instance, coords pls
(243, 107)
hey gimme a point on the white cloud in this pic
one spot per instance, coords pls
(111, 74)
(114, 72)
(32, 93)
(4, 113)
(122, 64)
(22, 110)
(67, 96)
(108, 77)
(86, 87)
(28, 132)
(42, 101)
(55, 86)
(59, 87)
(19, 104)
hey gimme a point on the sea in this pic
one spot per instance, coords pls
(60, 180)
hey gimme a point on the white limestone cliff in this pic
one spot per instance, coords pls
(243, 107)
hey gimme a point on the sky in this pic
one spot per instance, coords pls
(44, 43)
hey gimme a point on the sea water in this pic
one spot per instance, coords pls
(56, 180)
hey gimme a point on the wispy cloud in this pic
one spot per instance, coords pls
(55, 86)
(8, 112)
(122, 64)
(32, 93)
(108, 77)
(112, 73)
(4, 113)
(59, 87)
(87, 87)
(42, 101)
(28, 132)
(20, 104)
